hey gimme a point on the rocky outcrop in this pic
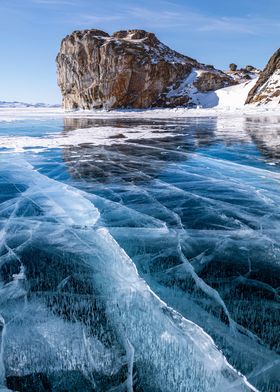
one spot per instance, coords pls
(267, 88)
(130, 69)
(211, 81)
(245, 74)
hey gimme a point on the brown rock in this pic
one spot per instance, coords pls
(267, 87)
(130, 69)
(243, 75)
(209, 81)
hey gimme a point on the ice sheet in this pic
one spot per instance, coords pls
(143, 324)
(123, 255)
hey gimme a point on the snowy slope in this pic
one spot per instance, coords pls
(234, 96)
(227, 97)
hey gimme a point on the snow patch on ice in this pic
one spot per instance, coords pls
(93, 136)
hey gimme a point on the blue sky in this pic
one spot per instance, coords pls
(213, 31)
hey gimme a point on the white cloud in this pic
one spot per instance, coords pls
(179, 18)
(55, 2)
(99, 18)
(197, 21)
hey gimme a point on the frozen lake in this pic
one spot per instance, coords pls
(139, 253)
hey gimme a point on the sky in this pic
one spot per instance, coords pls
(216, 32)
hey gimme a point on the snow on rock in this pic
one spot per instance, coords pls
(269, 93)
(267, 89)
(205, 95)
(244, 74)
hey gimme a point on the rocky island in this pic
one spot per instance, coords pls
(130, 69)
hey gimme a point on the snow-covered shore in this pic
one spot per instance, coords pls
(9, 115)
(228, 101)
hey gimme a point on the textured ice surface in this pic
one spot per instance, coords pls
(51, 216)
(145, 264)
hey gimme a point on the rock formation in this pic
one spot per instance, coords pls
(130, 69)
(267, 88)
(211, 81)
(245, 74)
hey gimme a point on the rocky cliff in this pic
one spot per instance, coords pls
(130, 69)
(267, 88)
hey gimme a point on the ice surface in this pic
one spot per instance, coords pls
(146, 263)
(155, 334)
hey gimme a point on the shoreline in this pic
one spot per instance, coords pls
(16, 114)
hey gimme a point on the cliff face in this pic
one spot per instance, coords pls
(267, 88)
(130, 69)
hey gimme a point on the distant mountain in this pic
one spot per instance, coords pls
(16, 104)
